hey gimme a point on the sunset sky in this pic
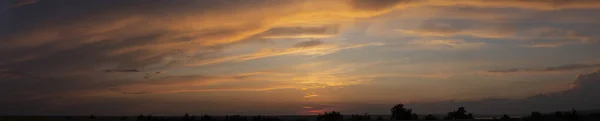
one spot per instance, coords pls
(275, 57)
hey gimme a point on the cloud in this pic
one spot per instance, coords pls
(539, 36)
(70, 44)
(542, 5)
(122, 70)
(307, 44)
(431, 28)
(11, 74)
(302, 48)
(580, 96)
(310, 95)
(546, 69)
(301, 32)
(444, 44)
(376, 5)
(23, 2)
(296, 77)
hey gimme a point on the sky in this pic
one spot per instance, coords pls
(297, 57)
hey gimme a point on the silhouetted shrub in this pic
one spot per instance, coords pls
(572, 116)
(206, 118)
(149, 117)
(430, 117)
(92, 116)
(535, 116)
(236, 118)
(401, 113)
(357, 117)
(505, 118)
(379, 118)
(141, 117)
(123, 118)
(461, 113)
(265, 118)
(558, 114)
(186, 117)
(330, 116)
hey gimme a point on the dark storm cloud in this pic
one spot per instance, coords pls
(547, 69)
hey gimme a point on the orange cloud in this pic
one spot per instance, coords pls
(320, 49)
(310, 95)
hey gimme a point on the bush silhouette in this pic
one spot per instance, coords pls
(357, 117)
(92, 116)
(461, 113)
(123, 118)
(430, 117)
(558, 114)
(506, 118)
(149, 117)
(330, 116)
(379, 118)
(141, 117)
(236, 118)
(535, 116)
(572, 116)
(401, 113)
(206, 118)
(186, 117)
(265, 118)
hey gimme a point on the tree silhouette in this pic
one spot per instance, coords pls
(535, 116)
(330, 116)
(265, 118)
(206, 118)
(572, 116)
(236, 118)
(356, 117)
(558, 114)
(505, 118)
(141, 117)
(430, 117)
(461, 113)
(401, 113)
(186, 117)
(149, 117)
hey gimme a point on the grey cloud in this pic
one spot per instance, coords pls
(122, 70)
(375, 4)
(307, 44)
(547, 69)
(18, 3)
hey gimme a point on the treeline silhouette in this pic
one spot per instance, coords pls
(398, 112)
